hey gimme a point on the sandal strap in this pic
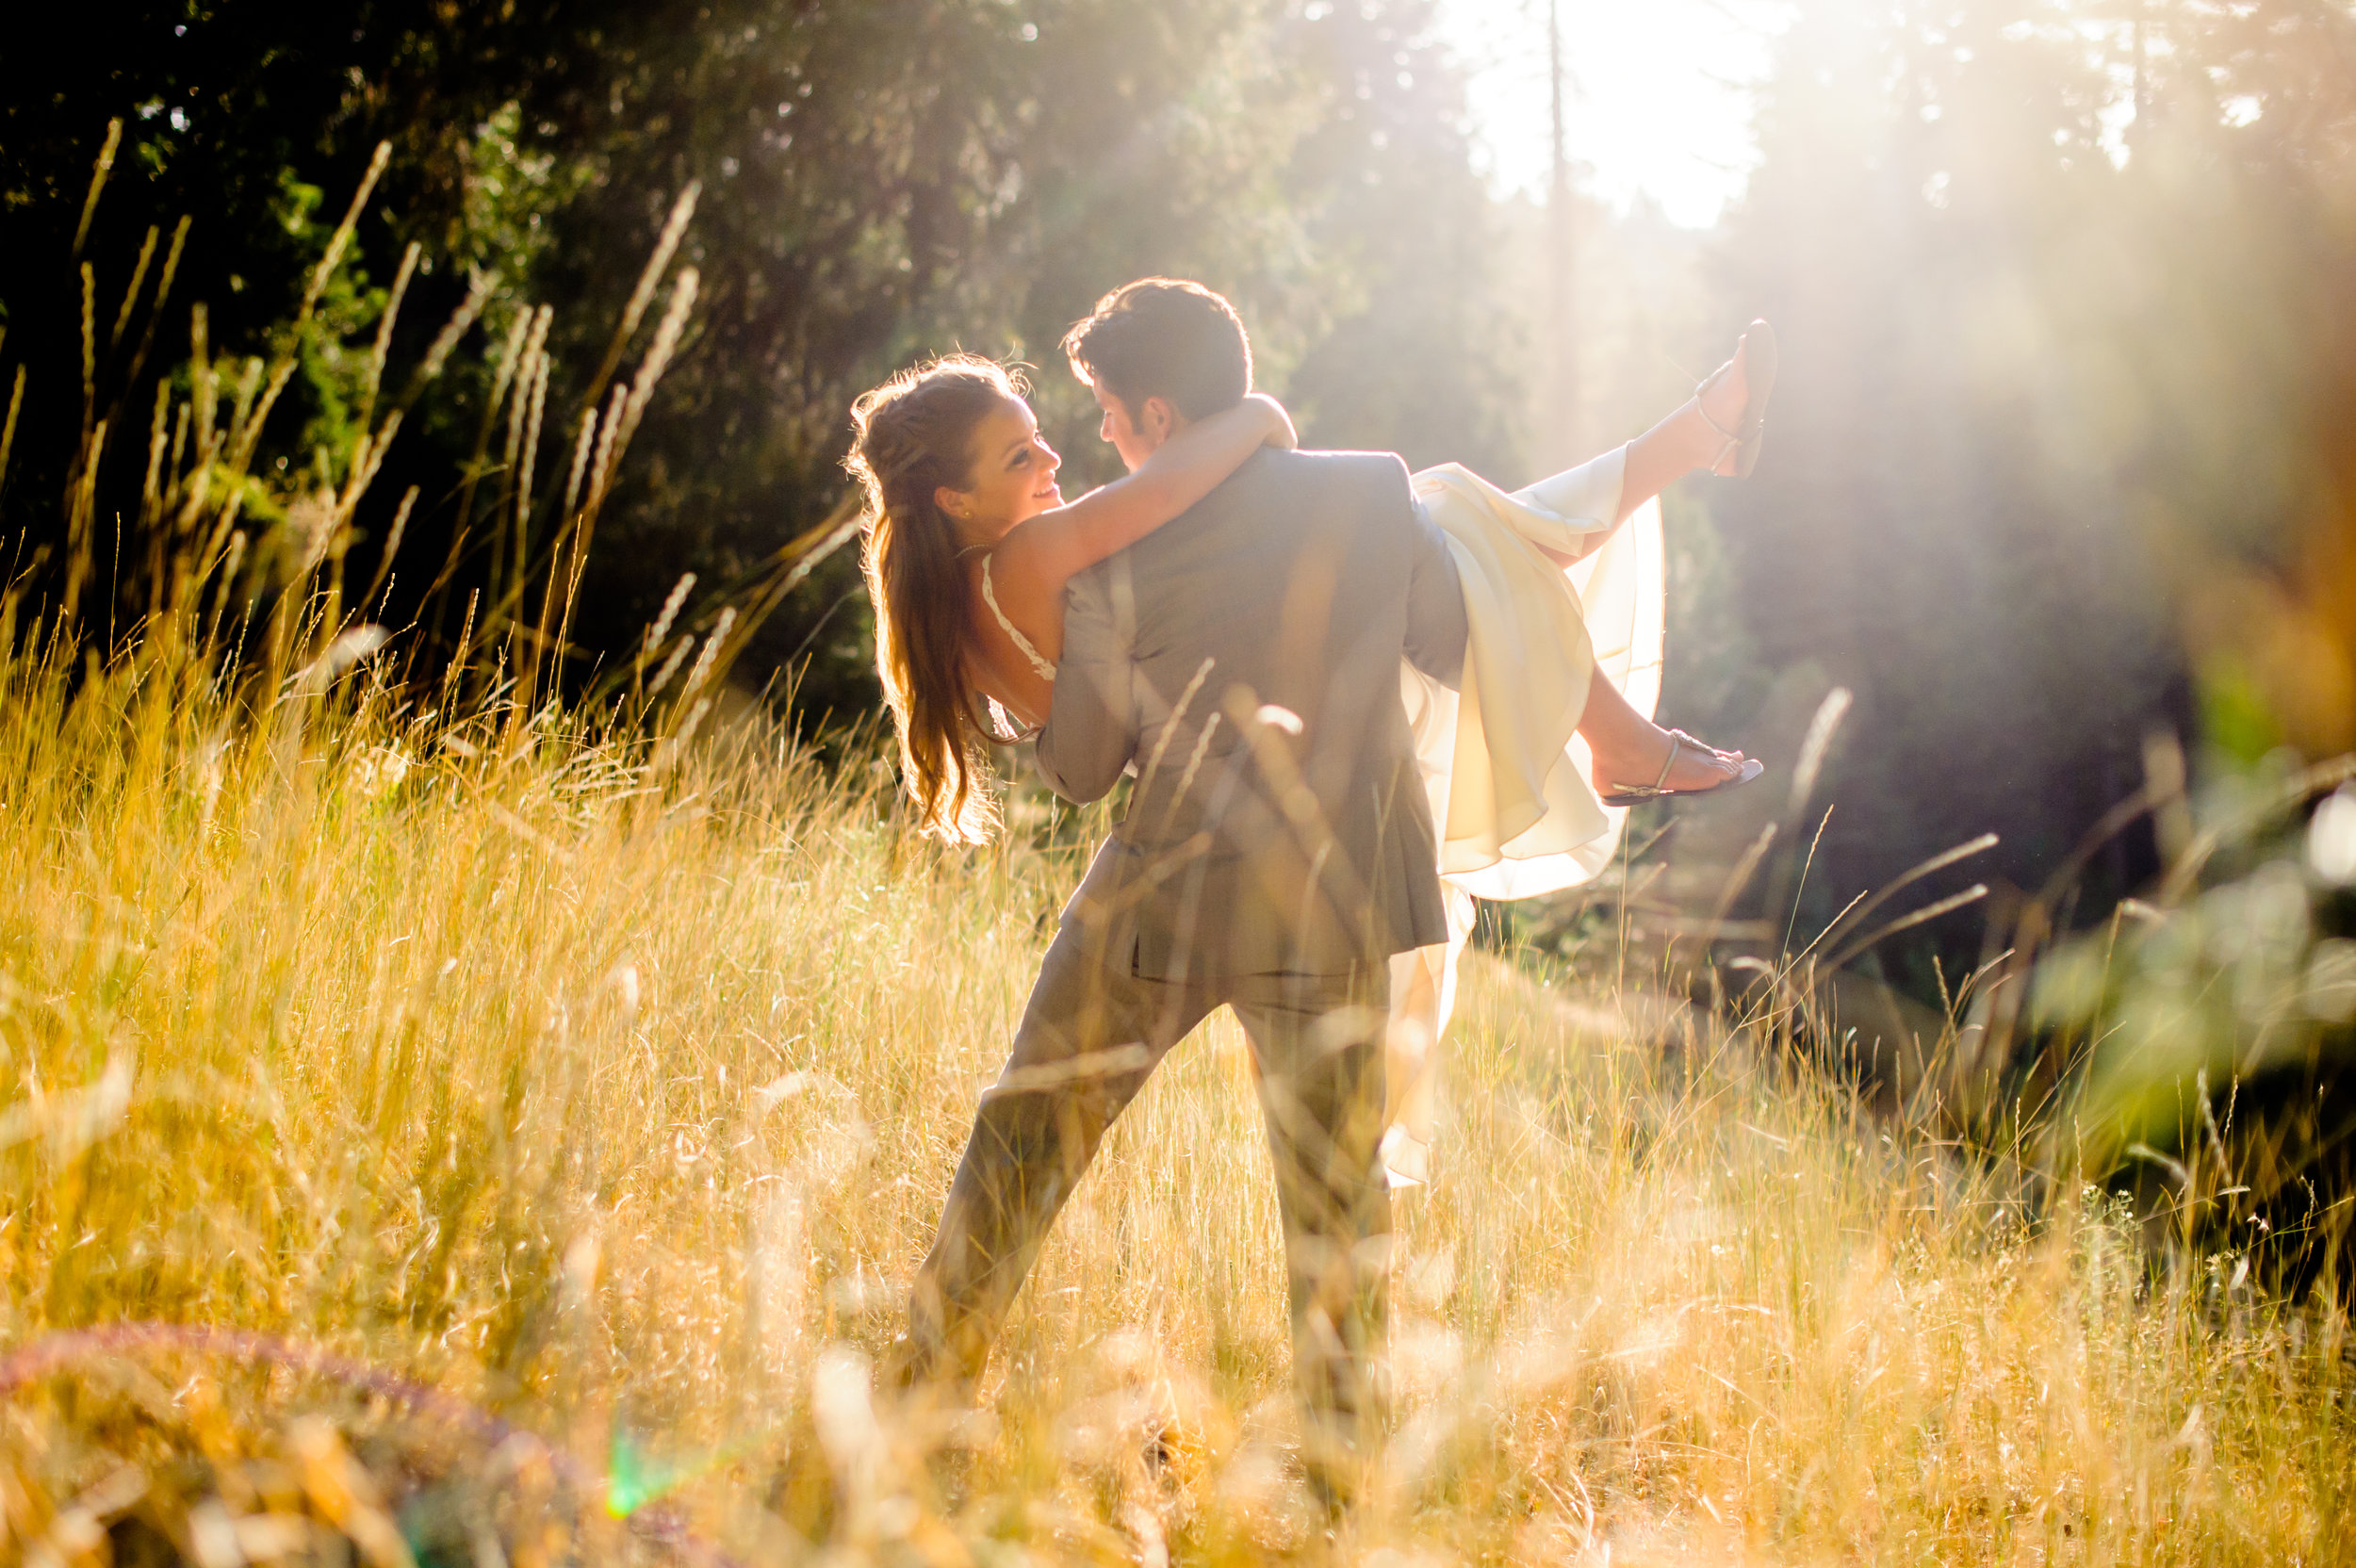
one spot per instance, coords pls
(1745, 429)
(1700, 388)
(1676, 739)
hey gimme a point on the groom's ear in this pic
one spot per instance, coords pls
(1156, 420)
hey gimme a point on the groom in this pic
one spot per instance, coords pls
(1243, 664)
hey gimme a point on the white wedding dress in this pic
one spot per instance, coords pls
(1506, 773)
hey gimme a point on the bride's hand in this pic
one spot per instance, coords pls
(1280, 434)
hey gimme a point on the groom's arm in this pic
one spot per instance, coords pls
(1437, 627)
(1091, 727)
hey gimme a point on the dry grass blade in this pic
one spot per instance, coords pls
(479, 287)
(1817, 744)
(750, 604)
(7, 430)
(583, 444)
(392, 546)
(89, 347)
(661, 627)
(131, 293)
(155, 309)
(665, 246)
(667, 341)
(1857, 913)
(531, 448)
(1746, 867)
(1906, 923)
(503, 378)
(336, 242)
(382, 347)
(97, 183)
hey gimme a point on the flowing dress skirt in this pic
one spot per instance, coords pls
(1506, 773)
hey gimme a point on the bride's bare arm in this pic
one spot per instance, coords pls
(1045, 551)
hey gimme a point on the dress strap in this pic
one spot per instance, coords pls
(1040, 667)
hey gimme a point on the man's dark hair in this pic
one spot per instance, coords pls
(1164, 337)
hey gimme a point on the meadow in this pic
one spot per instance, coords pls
(525, 1138)
(446, 1122)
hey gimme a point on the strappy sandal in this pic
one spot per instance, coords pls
(1636, 794)
(1750, 431)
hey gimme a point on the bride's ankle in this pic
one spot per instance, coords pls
(1702, 443)
(1628, 748)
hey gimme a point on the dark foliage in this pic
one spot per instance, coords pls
(880, 179)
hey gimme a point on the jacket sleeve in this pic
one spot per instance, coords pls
(1436, 627)
(1091, 730)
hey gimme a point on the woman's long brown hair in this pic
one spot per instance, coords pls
(914, 436)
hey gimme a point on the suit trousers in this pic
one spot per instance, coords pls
(1091, 1033)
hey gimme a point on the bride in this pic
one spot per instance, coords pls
(1528, 768)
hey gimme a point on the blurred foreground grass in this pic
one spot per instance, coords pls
(556, 1130)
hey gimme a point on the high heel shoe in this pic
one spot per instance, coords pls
(1758, 375)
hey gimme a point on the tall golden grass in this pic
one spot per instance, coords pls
(443, 1127)
(618, 1107)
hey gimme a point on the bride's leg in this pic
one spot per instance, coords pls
(1629, 748)
(1685, 441)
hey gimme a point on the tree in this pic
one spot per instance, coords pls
(2063, 301)
(878, 180)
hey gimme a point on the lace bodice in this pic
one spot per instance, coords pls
(1039, 667)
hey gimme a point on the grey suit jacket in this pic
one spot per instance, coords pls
(1243, 662)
